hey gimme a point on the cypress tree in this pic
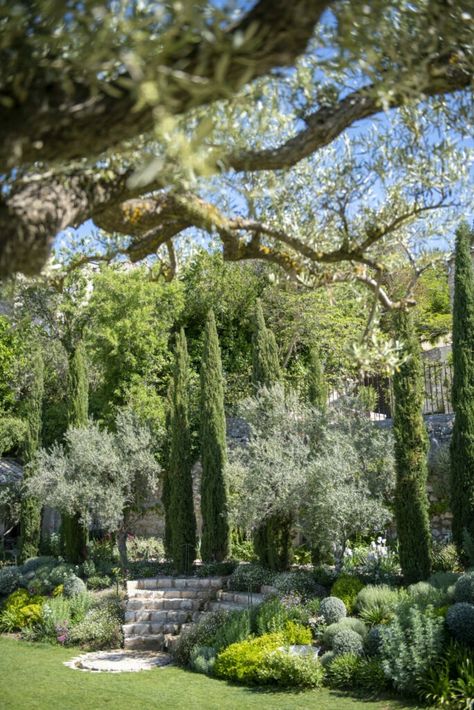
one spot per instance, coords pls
(462, 441)
(215, 525)
(183, 534)
(411, 451)
(30, 513)
(317, 389)
(166, 492)
(265, 364)
(272, 538)
(74, 535)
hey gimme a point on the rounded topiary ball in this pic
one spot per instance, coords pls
(464, 588)
(73, 586)
(373, 641)
(333, 610)
(460, 622)
(347, 641)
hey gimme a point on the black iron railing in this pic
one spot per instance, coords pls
(377, 391)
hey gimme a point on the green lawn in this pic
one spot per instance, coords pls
(32, 677)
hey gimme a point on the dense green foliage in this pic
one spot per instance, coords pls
(411, 448)
(181, 501)
(462, 440)
(30, 514)
(215, 524)
(317, 387)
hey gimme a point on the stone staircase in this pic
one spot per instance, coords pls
(158, 609)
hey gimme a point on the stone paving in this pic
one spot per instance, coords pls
(119, 661)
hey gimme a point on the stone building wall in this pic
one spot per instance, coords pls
(440, 427)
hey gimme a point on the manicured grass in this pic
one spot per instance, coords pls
(32, 677)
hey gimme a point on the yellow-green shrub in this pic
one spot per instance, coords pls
(21, 609)
(246, 661)
(347, 587)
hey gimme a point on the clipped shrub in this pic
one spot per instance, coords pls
(10, 577)
(464, 588)
(332, 610)
(249, 577)
(376, 603)
(300, 582)
(291, 671)
(347, 641)
(72, 586)
(347, 587)
(348, 622)
(296, 635)
(411, 644)
(373, 641)
(202, 659)
(341, 671)
(460, 622)
(369, 675)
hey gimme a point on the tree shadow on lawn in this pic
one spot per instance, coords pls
(394, 702)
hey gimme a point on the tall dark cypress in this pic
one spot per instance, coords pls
(272, 539)
(183, 536)
(166, 490)
(215, 524)
(265, 364)
(411, 451)
(73, 534)
(462, 441)
(317, 388)
(30, 514)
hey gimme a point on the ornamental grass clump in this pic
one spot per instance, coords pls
(376, 604)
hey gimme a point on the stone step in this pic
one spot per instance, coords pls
(163, 605)
(162, 583)
(145, 643)
(226, 606)
(267, 589)
(240, 598)
(189, 593)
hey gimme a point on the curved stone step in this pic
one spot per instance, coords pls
(226, 606)
(240, 598)
(145, 643)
